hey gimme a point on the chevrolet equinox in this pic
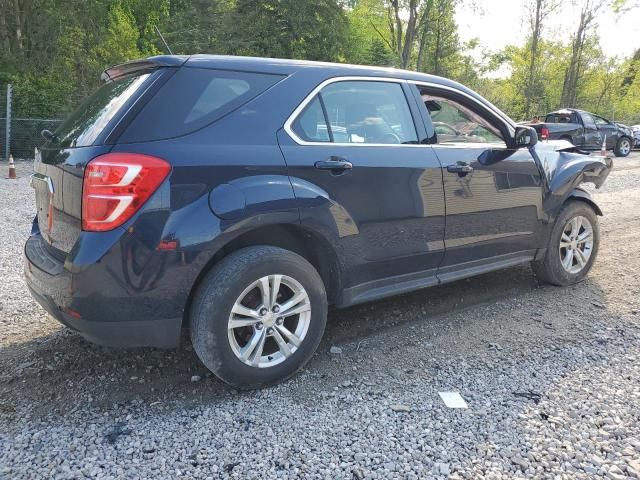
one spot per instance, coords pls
(240, 197)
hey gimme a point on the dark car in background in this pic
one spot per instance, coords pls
(585, 130)
(240, 197)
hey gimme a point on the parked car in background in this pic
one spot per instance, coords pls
(240, 197)
(636, 135)
(585, 130)
(450, 134)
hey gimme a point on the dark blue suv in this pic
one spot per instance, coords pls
(239, 197)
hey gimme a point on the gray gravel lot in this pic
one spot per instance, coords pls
(551, 376)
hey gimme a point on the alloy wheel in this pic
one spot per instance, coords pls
(625, 147)
(269, 321)
(576, 244)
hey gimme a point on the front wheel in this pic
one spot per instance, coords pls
(258, 316)
(572, 247)
(623, 147)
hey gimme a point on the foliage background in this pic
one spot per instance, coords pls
(53, 51)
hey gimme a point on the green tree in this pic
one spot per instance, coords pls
(120, 40)
(539, 11)
(305, 29)
(379, 54)
(578, 62)
(368, 37)
(439, 51)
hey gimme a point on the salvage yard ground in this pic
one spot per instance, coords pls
(551, 377)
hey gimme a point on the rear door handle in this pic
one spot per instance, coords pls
(335, 164)
(460, 167)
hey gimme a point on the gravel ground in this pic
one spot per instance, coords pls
(551, 376)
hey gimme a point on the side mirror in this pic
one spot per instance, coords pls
(525, 137)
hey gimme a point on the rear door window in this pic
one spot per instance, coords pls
(371, 112)
(360, 112)
(194, 98)
(311, 125)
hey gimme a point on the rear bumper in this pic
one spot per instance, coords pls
(82, 304)
(163, 333)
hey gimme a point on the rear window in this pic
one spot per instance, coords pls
(192, 99)
(83, 126)
(561, 117)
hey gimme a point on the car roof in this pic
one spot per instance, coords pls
(288, 67)
(327, 69)
(566, 111)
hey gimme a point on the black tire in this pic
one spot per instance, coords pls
(550, 268)
(215, 298)
(623, 147)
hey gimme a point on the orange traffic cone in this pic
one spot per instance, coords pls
(12, 167)
(603, 149)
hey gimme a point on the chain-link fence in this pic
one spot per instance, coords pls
(20, 135)
(4, 94)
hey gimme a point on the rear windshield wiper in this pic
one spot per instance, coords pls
(49, 135)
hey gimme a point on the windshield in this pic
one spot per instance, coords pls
(84, 125)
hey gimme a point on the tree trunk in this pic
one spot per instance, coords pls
(536, 24)
(19, 25)
(575, 68)
(5, 44)
(403, 34)
(423, 27)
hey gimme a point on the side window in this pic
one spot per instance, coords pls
(193, 98)
(588, 121)
(311, 125)
(362, 112)
(454, 123)
(600, 121)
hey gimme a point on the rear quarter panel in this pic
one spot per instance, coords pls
(227, 178)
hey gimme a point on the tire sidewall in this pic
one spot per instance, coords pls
(617, 151)
(574, 209)
(215, 299)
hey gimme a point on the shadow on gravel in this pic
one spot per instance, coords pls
(62, 372)
(357, 322)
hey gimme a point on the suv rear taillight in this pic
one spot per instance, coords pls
(544, 133)
(116, 185)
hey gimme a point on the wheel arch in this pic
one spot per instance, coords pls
(625, 137)
(307, 243)
(581, 195)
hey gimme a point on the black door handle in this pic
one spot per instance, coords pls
(337, 165)
(460, 167)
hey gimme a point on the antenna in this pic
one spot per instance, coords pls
(163, 40)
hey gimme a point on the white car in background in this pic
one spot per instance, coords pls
(636, 135)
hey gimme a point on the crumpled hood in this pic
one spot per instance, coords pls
(565, 166)
(562, 146)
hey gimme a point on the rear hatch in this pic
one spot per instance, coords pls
(87, 133)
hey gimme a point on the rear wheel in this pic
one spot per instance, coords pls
(572, 247)
(623, 147)
(258, 316)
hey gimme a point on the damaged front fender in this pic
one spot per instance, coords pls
(564, 168)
